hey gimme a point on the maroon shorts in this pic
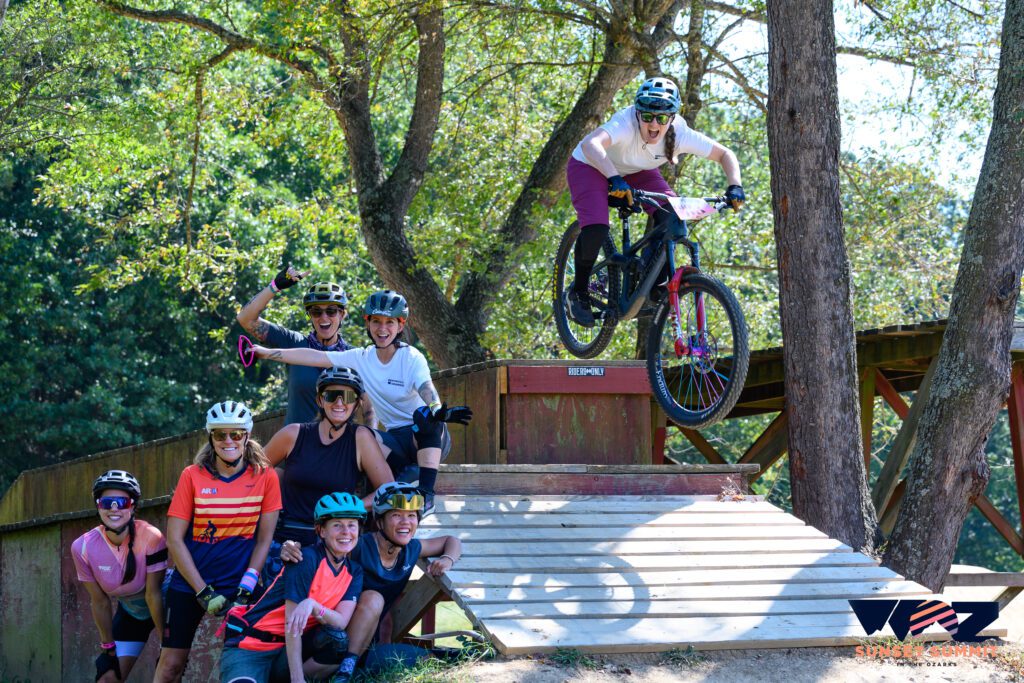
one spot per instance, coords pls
(589, 190)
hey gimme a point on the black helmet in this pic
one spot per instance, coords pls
(325, 293)
(344, 376)
(120, 480)
(388, 303)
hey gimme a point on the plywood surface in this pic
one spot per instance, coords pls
(653, 573)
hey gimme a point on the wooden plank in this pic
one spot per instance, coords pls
(887, 520)
(770, 445)
(702, 445)
(985, 579)
(659, 432)
(654, 635)
(756, 546)
(699, 577)
(891, 396)
(1001, 524)
(902, 445)
(632, 470)
(590, 505)
(867, 414)
(658, 609)
(594, 378)
(520, 520)
(597, 564)
(662, 533)
(483, 434)
(589, 484)
(850, 590)
(1015, 410)
(417, 598)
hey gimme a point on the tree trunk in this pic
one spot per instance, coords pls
(948, 469)
(826, 468)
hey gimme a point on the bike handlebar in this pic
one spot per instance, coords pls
(655, 198)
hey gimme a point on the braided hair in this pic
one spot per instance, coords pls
(129, 566)
(670, 142)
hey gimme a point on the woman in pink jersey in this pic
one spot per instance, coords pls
(122, 558)
(219, 527)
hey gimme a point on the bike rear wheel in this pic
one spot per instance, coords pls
(697, 376)
(580, 341)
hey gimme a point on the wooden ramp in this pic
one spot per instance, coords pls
(651, 573)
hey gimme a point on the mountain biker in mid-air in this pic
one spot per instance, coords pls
(625, 153)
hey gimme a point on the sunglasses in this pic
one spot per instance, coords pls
(330, 311)
(114, 502)
(346, 395)
(648, 116)
(234, 435)
(405, 501)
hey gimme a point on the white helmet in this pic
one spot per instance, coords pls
(228, 414)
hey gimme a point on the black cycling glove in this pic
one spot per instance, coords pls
(735, 197)
(283, 280)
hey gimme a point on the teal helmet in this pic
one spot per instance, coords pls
(387, 303)
(338, 506)
(658, 94)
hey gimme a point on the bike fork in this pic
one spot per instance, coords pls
(682, 343)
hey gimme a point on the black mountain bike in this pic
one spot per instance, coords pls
(697, 353)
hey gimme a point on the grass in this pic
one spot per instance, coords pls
(571, 658)
(681, 658)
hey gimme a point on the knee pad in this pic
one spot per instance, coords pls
(330, 645)
(428, 434)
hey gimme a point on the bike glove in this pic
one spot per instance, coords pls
(283, 280)
(456, 414)
(620, 189)
(212, 602)
(735, 197)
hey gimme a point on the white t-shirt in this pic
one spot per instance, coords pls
(391, 387)
(630, 154)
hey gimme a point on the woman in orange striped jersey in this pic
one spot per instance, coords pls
(219, 527)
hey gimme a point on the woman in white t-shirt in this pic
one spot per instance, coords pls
(397, 379)
(623, 154)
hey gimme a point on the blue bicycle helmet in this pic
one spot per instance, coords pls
(658, 94)
(339, 506)
(388, 303)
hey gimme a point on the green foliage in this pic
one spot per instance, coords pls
(571, 658)
(684, 659)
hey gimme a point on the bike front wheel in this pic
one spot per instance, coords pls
(697, 358)
(580, 341)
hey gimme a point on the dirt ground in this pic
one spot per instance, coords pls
(794, 665)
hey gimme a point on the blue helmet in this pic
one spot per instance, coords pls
(387, 303)
(658, 94)
(339, 506)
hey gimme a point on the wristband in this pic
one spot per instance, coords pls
(449, 557)
(249, 579)
(323, 611)
(434, 406)
(274, 288)
(108, 646)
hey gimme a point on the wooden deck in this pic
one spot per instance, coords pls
(653, 573)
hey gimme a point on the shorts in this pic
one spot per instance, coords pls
(589, 190)
(130, 633)
(256, 666)
(402, 442)
(183, 614)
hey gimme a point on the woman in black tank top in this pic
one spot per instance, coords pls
(326, 456)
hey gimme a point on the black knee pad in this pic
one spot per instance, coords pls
(428, 435)
(330, 645)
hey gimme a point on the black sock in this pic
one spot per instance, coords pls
(428, 475)
(588, 246)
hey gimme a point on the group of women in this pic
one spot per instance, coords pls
(302, 587)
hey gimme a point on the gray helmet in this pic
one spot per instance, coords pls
(343, 376)
(388, 303)
(325, 293)
(119, 480)
(658, 94)
(397, 495)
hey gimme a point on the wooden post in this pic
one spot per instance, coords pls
(867, 414)
(891, 396)
(659, 434)
(902, 445)
(702, 445)
(1015, 408)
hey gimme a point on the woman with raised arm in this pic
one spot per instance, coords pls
(397, 378)
(325, 303)
(219, 527)
(123, 558)
(625, 153)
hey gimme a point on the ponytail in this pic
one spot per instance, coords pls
(129, 565)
